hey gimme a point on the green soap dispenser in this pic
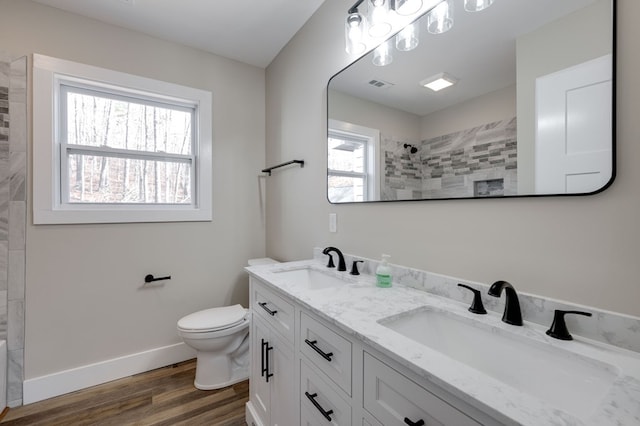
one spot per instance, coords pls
(383, 273)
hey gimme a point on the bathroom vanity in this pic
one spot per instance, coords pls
(331, 348)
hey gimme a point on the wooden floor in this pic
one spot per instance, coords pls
(165, 396)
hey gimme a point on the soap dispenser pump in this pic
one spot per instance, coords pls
(383, 273)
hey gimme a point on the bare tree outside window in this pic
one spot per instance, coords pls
(121, 151)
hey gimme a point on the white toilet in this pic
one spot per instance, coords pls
(221, 338)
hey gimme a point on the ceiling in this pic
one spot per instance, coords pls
(250, 31)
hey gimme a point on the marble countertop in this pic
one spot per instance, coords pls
(356, 307)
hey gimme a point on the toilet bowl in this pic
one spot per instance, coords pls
(221, 338)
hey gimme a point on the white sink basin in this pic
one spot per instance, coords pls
(311, 279)
(561, 378)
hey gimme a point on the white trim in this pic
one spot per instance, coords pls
(55, 384)
(47, 74)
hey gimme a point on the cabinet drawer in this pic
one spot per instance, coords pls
(327, 350)
(276, 311)
(314, 388)
(390, 397)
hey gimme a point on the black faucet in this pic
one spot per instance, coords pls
(476, 306)
(341, 265)
(354, 267)
(512, 313)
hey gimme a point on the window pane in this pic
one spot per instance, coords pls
(97, 120)
(98, 179)
(344, 189)
(347, 155)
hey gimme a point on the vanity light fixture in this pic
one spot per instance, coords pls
(439, 81)
(365, 30)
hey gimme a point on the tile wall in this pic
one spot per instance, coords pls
(13, 172)
(480, 161)
(402, 170)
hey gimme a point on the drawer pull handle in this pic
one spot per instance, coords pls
(410, 423)
(325, 414)
(269, 311)
(267, 372)
(322, 353)
(262, 353)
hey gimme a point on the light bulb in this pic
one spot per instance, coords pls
(379, 25)
(353, 34)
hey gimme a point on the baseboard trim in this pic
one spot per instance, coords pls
(55, 384)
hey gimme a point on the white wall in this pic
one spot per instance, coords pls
(579, 249)
(490, 107)
(84, 301)
(389, 121)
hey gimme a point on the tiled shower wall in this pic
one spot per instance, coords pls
(13, 172)
(479, 161)
(482, 158)
(402, 170)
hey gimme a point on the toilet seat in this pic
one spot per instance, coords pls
(214, 319)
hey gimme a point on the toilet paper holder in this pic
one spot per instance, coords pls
(150, 278)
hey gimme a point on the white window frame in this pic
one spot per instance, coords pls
(372, 138)
(49, 150)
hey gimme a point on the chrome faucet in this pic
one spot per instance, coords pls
(341, 264)
(512, 313)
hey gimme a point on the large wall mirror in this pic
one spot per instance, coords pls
(528, 111)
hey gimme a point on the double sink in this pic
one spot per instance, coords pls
(528, 361)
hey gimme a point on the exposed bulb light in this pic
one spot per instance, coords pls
(439, 81)
(406, 7)
(440, 18)
(379, 25)
(354, 28)
(382, 55)
(476, 5)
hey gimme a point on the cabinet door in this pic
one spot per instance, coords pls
(282, 366)
(258, 386)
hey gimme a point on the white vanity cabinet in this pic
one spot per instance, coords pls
(324, 376)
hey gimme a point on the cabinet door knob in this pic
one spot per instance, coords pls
(410, 423)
